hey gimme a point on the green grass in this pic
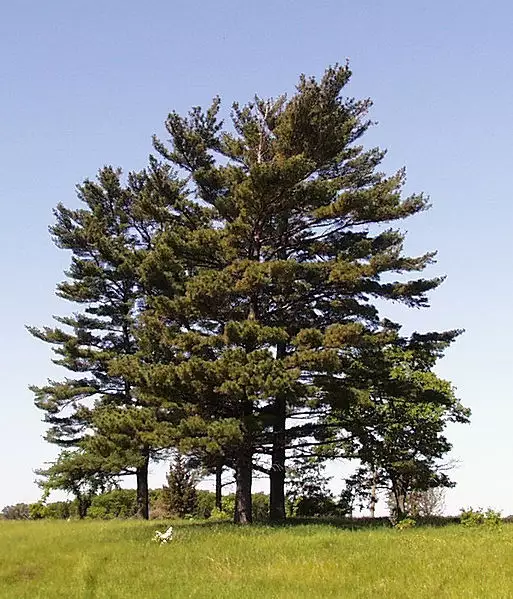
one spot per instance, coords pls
(68, 560)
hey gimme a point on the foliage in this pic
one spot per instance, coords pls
(205, 504)
(220, 515)
(405, 523)
(118, 503)
(425, 504)
(180, 495)
(260, 502)
(94, 410)
(397, 427)
(477, 517)
(57, 510)
(234, 314)
(77, 472)
(308, 491)
(19, 511)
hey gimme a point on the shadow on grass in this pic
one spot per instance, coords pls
(342, 523)
(365, 523)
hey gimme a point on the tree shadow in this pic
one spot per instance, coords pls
(366, 522)
(343, 523)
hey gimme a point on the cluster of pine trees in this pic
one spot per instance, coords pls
(228, 305)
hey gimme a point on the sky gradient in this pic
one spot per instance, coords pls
(84, 84)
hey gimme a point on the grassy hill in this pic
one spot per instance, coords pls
(117, 559)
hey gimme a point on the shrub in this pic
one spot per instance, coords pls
(205, 504)
(119, 503)
(219, 515)
(37, 511)
(60, 510)
(471, 517)
(20, 511)
(260, 507)
(158, 506)
(229, 504)
(477, 517)
(405, 523)
(315, 506)
(492, 517)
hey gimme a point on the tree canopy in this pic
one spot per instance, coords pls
(233, 297)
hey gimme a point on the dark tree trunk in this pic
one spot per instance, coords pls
(83, 506)
(278, 456)
(401, 509)
(219, 486)
(400, 500)
(143, 500)
(373, 497)
(243, 481)
(277, 474)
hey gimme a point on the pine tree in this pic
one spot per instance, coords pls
(180, 494)
(95, 409)
(308, 487)
(283, 294)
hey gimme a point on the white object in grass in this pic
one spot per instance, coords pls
(164, 537)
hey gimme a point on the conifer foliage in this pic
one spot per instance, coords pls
(238, 309)
(108, 237)
(180, 495)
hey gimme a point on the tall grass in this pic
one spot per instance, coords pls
(68, 560)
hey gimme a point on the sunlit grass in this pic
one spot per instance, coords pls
(117, 559)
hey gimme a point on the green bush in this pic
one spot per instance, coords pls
(317, 505)
(229, 504)
(119, 503)
(477, 517)
(37, 511)
(260, 507)
(405, 523)
(20, 511)
(61, 510)
(492, 518)
(219, 515)
(471, 517)
(99, 512)
(205, 504)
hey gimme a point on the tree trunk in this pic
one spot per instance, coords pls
(219, 486)
(400, 509)
(278, 456)
(400, 501)
(243, 480)
(277, 474)
(373, 498)
(83, 506)
(143, 501)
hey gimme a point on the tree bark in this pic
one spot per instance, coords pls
(143, 501)
(373, 498)
(83, 506)
(243, 481)
(400, 500)
(219, 486)
(277, 475)
(278, 455)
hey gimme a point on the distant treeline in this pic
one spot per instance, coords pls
(122, 503)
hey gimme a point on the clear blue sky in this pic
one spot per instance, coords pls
(83, 84)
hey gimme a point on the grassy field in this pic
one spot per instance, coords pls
(116, 559)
